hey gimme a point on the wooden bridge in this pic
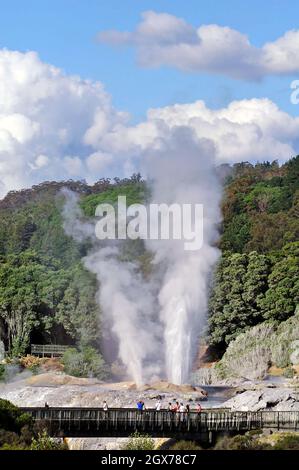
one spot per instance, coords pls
(122, 422)
(48, 350)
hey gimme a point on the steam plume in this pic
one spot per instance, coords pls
(182, 171)
(157, 322)
(127, 303)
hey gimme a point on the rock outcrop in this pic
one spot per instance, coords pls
(251, 354)
(276, 399)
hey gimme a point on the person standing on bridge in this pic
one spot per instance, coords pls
(158, 405)
(140, 405)
(198, 408)
(105, 406)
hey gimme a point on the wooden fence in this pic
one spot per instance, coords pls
(48, 350)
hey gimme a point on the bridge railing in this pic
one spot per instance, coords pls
(52, 350)
(119, 421)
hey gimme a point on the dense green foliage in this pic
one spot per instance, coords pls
(11, 418)
(18, 431)
(46, 295)
(16, 428)
(41, 299)
(250, 288)
(134, 192)
(84, 363)
(260, 207)
(257, 276)
(2, 372)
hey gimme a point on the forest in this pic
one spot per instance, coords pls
(46, 295)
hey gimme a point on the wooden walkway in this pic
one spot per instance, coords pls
(120, 422)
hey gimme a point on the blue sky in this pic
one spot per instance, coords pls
(238, 58)
(63, 33)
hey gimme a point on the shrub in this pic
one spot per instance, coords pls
(11, 418)
(2, 372)
(84, 363)
(287, 442)
(240, 442)
(139, 442)
(44, 442)
(9, 440)
(16, 427)
(15, 446)
(289, 372)
(185, 445)
(31, 363)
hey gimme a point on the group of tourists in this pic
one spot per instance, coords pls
(175, 407)
(178, 407)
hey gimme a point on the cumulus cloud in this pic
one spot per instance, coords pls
(163, 39)
(54, 126)
(48, 123)
(246, 130)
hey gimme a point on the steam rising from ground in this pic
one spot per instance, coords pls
(126, 301)
(157, 321)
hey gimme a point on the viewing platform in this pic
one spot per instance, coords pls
(48, 350)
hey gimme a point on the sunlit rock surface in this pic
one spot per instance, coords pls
(58, 389)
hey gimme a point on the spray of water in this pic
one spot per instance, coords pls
(182, 171)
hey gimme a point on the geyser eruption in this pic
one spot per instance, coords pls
(157, 321)
(182, 171)
(126, 301)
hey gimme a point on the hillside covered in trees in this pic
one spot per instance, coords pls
(257, 278)
(47, 296)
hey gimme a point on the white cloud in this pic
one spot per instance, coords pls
(47, 122)
(97, 162)
(163, 39)
(246, 130)
(39, 162)
(54, 126)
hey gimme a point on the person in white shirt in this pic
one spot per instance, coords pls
(158, 406)
(182, 408)
(105, 406)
